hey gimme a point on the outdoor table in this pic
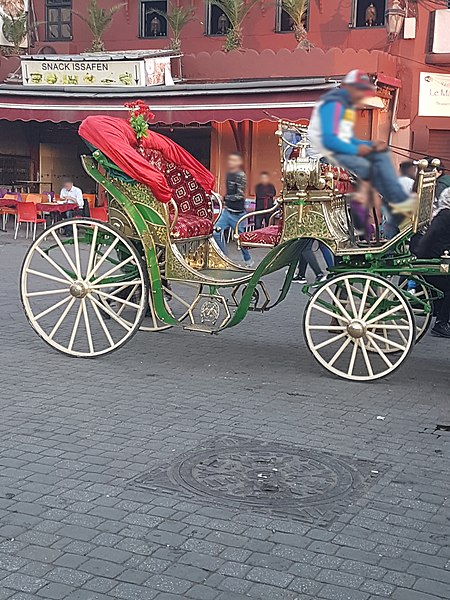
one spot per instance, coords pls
(48, 207)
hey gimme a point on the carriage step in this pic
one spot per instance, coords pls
(200, 327)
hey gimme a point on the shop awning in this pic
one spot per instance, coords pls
(185, 103)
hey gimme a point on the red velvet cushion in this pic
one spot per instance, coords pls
(269, 236)
(188, 226)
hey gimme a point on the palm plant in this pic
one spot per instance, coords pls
(177, 18)
(235, 11)
(296, 10)
(98, 20)
(14, 29)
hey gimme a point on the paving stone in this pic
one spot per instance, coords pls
(23, 583)
(55, 591)
(128, 591)
(168, 584)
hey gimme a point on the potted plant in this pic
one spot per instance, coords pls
(296, 10)
(177, 18)
(235, 11)
(15, 28)
(98, 20)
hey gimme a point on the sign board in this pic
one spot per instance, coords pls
(98, 73)
(434, 95)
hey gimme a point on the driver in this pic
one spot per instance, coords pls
(331, 134)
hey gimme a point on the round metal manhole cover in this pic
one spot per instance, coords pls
(261, 475)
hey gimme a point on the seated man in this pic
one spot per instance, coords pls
(331, 134)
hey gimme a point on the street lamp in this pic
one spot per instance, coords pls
(395, 17)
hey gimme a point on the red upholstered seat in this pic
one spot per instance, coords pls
(188, 226)
(195, 213)
(267, 236)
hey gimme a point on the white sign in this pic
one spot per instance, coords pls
(434, 95)
(98, 73)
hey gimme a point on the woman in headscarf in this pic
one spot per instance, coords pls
(433, 245)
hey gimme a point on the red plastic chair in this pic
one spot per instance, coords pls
(27, 213)
(100, 213)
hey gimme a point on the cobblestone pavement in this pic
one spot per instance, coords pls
(76, 437)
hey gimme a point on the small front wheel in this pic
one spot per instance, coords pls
(353, 322)
(84, 288)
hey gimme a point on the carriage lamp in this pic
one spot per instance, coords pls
(394, 17)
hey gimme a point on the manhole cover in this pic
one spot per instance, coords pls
(305, 484)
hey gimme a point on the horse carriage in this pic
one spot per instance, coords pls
(87, 286)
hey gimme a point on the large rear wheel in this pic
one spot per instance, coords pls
(350, 338)
(84, 288)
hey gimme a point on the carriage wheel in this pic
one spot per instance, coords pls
(179, 297)
(349, 338)
(84, 287)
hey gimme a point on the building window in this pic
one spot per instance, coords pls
(59, 20)
(283, 22)
(217, 22)
(368, 13)
(152, 22)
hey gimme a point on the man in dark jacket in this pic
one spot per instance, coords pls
(234, 201)
(265, 193)
(433, 245)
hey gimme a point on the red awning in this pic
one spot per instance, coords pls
(175, 106)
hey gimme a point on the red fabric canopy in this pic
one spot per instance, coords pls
(117, 140)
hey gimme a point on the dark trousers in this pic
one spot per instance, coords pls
(308, 257)
(442, 306)
(260, 218)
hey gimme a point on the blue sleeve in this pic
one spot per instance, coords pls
(330, 115)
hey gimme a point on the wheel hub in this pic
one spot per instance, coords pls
(78, 289)
(356, 329)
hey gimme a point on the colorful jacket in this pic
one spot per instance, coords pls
(331, 129)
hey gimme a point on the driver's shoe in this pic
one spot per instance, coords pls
(441, 330)
(408, 207)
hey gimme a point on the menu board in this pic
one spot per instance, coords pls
(96, 73)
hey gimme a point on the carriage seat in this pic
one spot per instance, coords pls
(266, 236)
(195, 211)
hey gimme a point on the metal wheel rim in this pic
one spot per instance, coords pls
(92, 308)
(361, 321)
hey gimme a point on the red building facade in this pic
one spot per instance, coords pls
(344, 35)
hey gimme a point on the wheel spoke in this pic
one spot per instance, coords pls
(393, 326)
(92, 251)
(366, 358)
(351, 365)
(122, 284)
(102, 260)
(61, 318)
(52, 308)
(47, 293)
(123, 301)
(45, 276)
(54, 264)
(376, 303)
(76, 249)
(111, 313)
(75, 327)
(338, 303)
(340, 351)
(351, 298)
(130, 295)
(381, 353)
(330, 341)
(363, 299)
(64, 251)
(87, 324)
(102, 323)
(329, 313)
(328, 327)
(389, 312)
(114, 269)
(385, 340)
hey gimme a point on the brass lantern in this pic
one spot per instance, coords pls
(395, 17)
